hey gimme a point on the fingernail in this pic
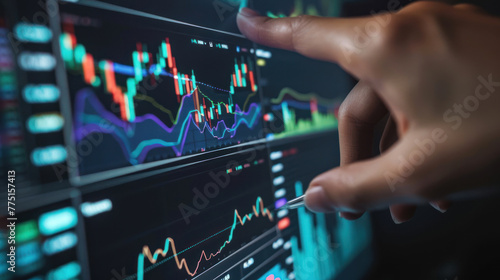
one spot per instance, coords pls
(436, 206)
(247, 12)
(317, 200)
(396, 221)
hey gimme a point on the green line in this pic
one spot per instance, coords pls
(301, 97)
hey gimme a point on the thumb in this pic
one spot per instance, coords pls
(368, 184)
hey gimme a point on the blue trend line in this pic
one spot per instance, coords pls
(92, 117)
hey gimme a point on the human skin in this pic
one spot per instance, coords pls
(434, 69)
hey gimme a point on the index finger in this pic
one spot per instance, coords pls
(332, 39)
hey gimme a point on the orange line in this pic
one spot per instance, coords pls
(182, 263)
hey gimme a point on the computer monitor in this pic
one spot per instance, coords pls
(148, 140)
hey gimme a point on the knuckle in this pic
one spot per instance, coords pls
(419, 29)
(399, 32)
(347, 116)
(263, 29)
(344, 112)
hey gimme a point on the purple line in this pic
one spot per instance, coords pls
(81, 131)
(178, 152)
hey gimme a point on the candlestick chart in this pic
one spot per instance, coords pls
(158, 98)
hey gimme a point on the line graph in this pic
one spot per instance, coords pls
(158, 106)
(327, 102)
(301, 113)
(301, 95)
(158, 97)
(230, 224)
(258, 210)
(148, 132)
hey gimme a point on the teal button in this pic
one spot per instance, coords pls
(36, 61)
(45, 123)
(64, 272)
(56, 221)
(41, 93)
(48, 155)
(32, 33)
(59, 243)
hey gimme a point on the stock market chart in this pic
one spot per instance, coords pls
(297, 100)
(198, 221)
(321, 245)
(144, 140)
(155, 94)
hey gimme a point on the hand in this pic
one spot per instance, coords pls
(435, 69)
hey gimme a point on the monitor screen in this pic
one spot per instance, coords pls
(150, 140)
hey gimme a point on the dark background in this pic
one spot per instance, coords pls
(462, 243)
